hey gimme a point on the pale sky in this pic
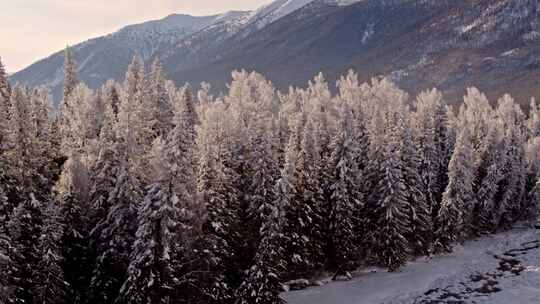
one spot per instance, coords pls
(33, 29)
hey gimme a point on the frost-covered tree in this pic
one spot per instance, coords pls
(5, 95)
(430, 135)
(533, 123)
(115, 234)
(306, 221)
(25, 228)
(5, 88)
(157, 104)
(454, 215)
(262, 281)
(514, 169)
(220, 198)
(103, 178)
(153, 259)
(50, 285)
(346, 197)
(21, 140)
(487, 178)
(132, 128)
(70, 73)
(7, 265)
(393, 221)
(75, 244)
(421, 226)
(67, 108)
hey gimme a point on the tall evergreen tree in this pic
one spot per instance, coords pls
(153, 259)
(115, 234)
(262, 280)
(5, 88)
(512, 187)
(487, 179)
(50, 285)
(421, 226)
(345, 198)
(308, 200)
(25, 229)
(75, 243)
(453, 217)
(7, 266)
(393, 221)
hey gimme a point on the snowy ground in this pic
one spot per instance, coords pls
(499, 269)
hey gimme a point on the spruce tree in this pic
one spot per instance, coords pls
(115, 235)
(393, 221)
(158, 105)
(262, 280)
(75, 243)
(512, 187)
(220, 227)
(421, 226)
(453, 217)
(153, 258)
(5, 88)
(25, 229)
(7, 266)
(487, 179)
(309, 201)
(50, 284)
(345, 198)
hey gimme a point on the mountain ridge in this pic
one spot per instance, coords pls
(447, 44)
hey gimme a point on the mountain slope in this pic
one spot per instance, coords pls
(419, 44)
(492, 44)
(107, 57)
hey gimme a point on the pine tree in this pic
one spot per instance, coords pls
(21, 151)
(487, 179)
(182, 163)
(453, 217)
(153, 258)
(5, 105)
(345, 198)
(7, 266)
(75, 243)
(70, 74)
(308, 201)
(158, 105)
(105, 171)
(25, 229)
(533, 122)
(262, 281)
(115, 235)
(219, 197)
(421, 232)
(263, 172)
(132, 127)
(50, 285)
(5, 88)
(393, 221)
(512, 187)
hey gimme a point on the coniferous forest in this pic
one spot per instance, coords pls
(144, 192)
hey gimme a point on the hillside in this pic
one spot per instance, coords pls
(419, 44)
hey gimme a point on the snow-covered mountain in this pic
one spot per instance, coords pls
(492, 44)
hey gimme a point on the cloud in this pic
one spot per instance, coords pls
(33, 29)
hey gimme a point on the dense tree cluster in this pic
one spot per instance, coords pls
(143, 192)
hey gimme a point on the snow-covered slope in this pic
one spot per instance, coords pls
(274, 11)
(420, 44)
(281, 8)
(498, 269)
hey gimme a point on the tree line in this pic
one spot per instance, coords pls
(144, 192)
